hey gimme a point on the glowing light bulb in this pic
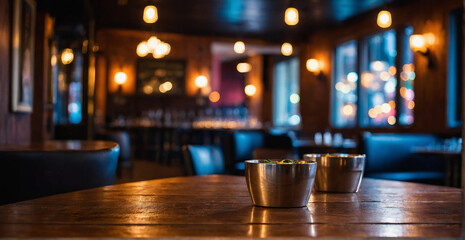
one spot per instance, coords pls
(150, 14)
(418, 43)
(243, 67)
(214, 96)
(152, 43)
(291, 16)
(239, 47)
(313, 65)
(121, 78)
(384, 19)
(250, 90)
(142, 49)
(201, 81)
(286, 49)
(67, 56)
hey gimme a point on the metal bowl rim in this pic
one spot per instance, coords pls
(253, 161)
(335, 155)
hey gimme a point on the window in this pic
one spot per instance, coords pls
(68, 94)
(378, 80)
(366, 88)
(286, 93)
(455, 83)
(345, 83)
(407, 77)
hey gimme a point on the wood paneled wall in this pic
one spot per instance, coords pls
(14, 128)
(430, 84)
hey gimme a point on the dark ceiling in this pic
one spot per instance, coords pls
(262, 19)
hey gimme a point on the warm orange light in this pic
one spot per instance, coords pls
(291, 16)
(367, 79)
(384, 76)
(142, 49)
(384, 19)
(392, 104)
(121, 78)
(418, 43)
(286, 49)
(243, 67)
(313, 65)
(201, 81)
(239, 47)
(348, 110)
(214, 96)
(250, 90)
(392, 70)
(392, 120)
(411, 105)
(150, 14)
(372, 113)
(67, 56)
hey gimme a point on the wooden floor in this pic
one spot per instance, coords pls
(146, 170)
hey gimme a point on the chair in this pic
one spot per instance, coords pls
(241, 145)
(203, 159)
(124, 141)
(31, 174)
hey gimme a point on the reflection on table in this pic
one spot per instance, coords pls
(217, 206)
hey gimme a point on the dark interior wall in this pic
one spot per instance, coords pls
(14, 127)
(232, 84)
(430, 84)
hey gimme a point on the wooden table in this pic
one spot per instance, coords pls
(220, 207)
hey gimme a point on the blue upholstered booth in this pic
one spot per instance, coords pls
(392, 156)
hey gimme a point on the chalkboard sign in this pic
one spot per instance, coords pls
(160, 77)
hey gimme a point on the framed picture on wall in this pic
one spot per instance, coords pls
(24, 14)
(159, 77)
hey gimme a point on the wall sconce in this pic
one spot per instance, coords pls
(67, 56)
(250, 90)
(243, 67)
(420, 43)
(314, 66)
(120, 79)
(201, 81)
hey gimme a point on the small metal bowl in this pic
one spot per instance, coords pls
(280, 185)
(338, 172)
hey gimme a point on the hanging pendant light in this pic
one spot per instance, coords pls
(286, 49)
(239, 47)
(150, 14)
(67, 56)
(142, 49)
(291, 16)
(384, 19)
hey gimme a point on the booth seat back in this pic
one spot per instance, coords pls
(28, 175)
(203, 159)
(241, 145)
(392, 156)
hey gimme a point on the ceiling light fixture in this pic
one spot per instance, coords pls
(384, 19)
(67, 56)
(239, 47)
(150, 14)
(291, 16)
(286, 49)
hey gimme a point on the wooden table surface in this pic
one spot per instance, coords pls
(220, 207)
(60, 146)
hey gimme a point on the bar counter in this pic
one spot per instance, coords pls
(219, 206)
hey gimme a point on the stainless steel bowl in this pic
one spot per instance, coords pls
(338, 172)
(280, 185)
